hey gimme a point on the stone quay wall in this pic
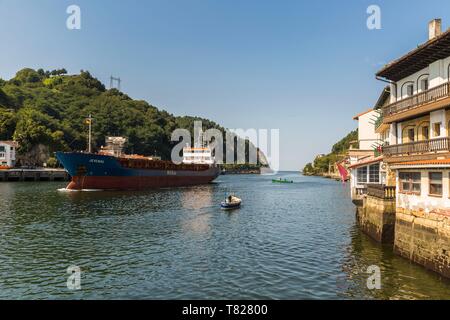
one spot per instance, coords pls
(376, 218)
(424, 238)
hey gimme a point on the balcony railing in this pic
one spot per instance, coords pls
(440, 92)
(381, 191)
(360, 191)
(425, 146)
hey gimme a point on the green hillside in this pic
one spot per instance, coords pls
(45, 112)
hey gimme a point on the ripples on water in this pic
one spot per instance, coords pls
(293, 241)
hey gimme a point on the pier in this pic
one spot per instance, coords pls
(40, 174)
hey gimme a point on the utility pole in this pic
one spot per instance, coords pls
(111, 82)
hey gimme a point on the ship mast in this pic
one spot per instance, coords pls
(89, 122)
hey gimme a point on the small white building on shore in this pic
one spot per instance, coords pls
(8, 153)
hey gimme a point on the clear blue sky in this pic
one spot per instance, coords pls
(305, 67)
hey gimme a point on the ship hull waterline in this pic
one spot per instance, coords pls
(101, 172)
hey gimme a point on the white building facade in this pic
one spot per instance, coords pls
(8, 153)
(368, 138)
(417, 123)
(366, 163)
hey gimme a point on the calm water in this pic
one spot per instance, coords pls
(296, 241)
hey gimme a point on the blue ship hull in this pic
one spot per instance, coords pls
(95, 171)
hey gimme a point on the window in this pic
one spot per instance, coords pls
(361, 175)
(435, 183)
(426, 133)
(437, 129)
(424, 84)
(409, 182)
(409, 90)
(374, 173)
(411, 135)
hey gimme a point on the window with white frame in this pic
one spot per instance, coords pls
(2, 152)
(361, 175)
(374, 173)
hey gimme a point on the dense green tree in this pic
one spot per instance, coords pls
(4, 100)
(308, 169)
(7, 124)
(34, 127)
(28, 75)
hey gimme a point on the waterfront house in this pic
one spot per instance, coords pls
(417, 121)
(8, 154)
(366, 161)
(416, 127)
(372, 182)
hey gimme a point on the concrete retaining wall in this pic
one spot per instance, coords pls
(34, 175)
(377, 219)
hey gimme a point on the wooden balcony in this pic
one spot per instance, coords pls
(381, 191)
(418, 147)
(421, 103)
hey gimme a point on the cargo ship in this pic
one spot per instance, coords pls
(109, 169)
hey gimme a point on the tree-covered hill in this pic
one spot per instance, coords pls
(45, 112)
(321, 163)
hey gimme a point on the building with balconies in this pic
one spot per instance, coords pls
(415, 124)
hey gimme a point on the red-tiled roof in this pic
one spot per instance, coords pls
(361, 114)
(433, 162)
(366, 162)
(11, 143)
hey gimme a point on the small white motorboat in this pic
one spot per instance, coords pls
(231, 202)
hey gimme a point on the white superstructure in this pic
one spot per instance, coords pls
(198, 155)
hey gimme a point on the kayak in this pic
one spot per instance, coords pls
(282, 181)
(231, 202)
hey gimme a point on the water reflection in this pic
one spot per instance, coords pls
(198, 197)
(286, 242)
(400, 279)
(198, 202)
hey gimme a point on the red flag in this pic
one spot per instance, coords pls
(343, 172)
